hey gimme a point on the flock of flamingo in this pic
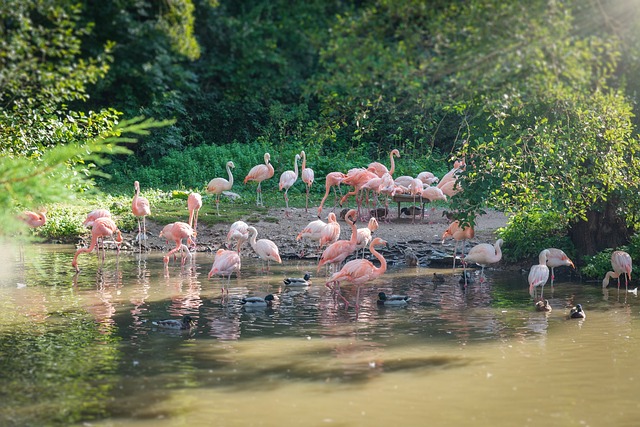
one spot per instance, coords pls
(373, 182)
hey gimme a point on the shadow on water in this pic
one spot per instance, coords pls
(82, 347)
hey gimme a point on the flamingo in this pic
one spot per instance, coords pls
(307, 177)
(365, 234)
(404, 180)
(239, 231)
(259, 173)
(356, 178)
(313, 231)
(338, 251)
(415, 188)
(140, 208)
(194, 203)
(539, 274)
(380, 169)
(483, 255)
(432, 194)
(95, 214)
(176, 232)
(331, 231)
(451, 176)
(459, 234)
(167, 233)
(218, 185)
(265, 248)
(557, 258)
(332, 180)
(621, 263)
(427, 178)
(102, 227)
(360, 271)
(225, 263)
(287, 179)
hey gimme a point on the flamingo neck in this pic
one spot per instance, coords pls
(378, 255)
(230, 175)
(295, 166)
(393, 164)
(304, 160)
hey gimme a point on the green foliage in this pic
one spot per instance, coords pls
(528, 233)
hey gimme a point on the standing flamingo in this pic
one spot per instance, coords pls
(259, 173)
(287, 179)
(332, 180)
(360, 271)
(225, 263)
(95, 214)
(194, 203)
(307, 178)
(176, 232)
(265, 248)
(557, 258)
(539, 274)
(338, 251)
(459, 235)
(621, 263)
(218, 185)
(140, 208)
(365, 234)
(239, 231)
(331, 231)
(102, 227)
(380, 169)
(357, 178)
(313, 231)
(483, 255)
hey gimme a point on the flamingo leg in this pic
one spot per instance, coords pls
(218, 204)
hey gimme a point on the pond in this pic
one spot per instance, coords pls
(83, 350)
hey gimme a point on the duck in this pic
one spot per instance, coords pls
(186, 323)
(258, 301)
(438, 278)
(298, 281)
(577, 313)
(411, 211)
(543, 306)
(385, 300)
(466, 278)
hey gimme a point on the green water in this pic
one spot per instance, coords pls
(82, 349)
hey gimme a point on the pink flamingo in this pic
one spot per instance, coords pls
(34, 219)
(307, 177)
(557, 258)
(332, 180)
(357, 178)
(226, 263)
(459, 234)
(239, 231)
(539, 274)
(265, 248)
(95, 214)
(458, 166)
(432, 194)
(140, 208)
(287, 179)
(427, 178)
(102, 227)
(338, 251)
(331, 231)
(483, 255)
(415, 188)
(176, 232)
(380, 169)
(313, 231)
(259, 173)
(218, 185)
(621, 263)
(194, 203)
(365, 234)
(359, 271)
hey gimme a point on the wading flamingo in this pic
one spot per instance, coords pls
(483, 255)
(140, 208)
(194, 203)
(338, 251)
(365, 234)
(557, 258)
(307, 177)
(380, 169)
(459, 235)
(177, 231)
(359, 271)
(313, 232)
(332, 180)
(331, 231)
(265, 248)
(218, 185)
(259, 173)
(287, 179)
(621, 263)
(539, 274)
(102, 227)
(226, 263)
(238, 232)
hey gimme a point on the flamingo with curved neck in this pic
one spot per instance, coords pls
(338, 251)
(102, 227)
(259, 173)
(287, 179)
(218, 185)
(380, 169)
(307, 177)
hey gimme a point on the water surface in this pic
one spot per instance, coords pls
(83, 349)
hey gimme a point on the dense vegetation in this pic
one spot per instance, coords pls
(539, 98)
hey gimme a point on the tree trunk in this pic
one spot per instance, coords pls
(602, 229)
